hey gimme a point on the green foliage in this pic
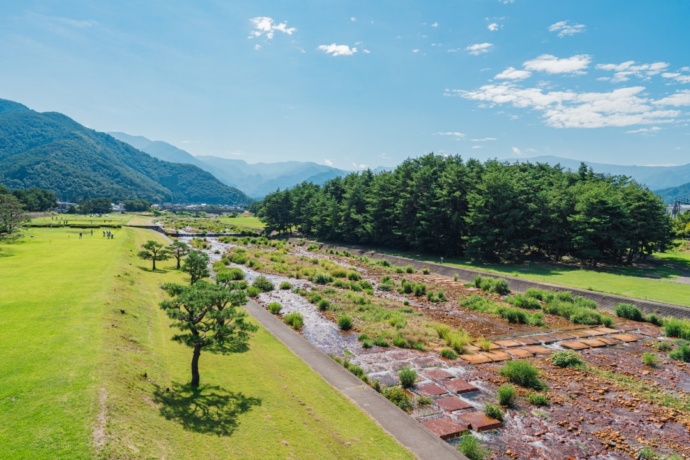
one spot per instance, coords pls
(674, 327)
(153, 251)
(324, 304)
(650, 359)
(12, 214)
(354, 276)
(263, 284)
(538, 399)
(566, 358)
(498, 286)
(664, 346)
(253, 292)
(425, 271)
(506, 395)
(409, 269)
(381, 342)
(522, 373)
(399, 397)
(628, 311)
(682, 353)
(524, 301)
(196, 266)
(294, 320)
(285, 285)
(274, 307)
(345, 323)
(448, 353)
(513, 315)
(35, 199)
(493, 411)
(419, 289)
(472, 448)
(407, 377)
(323, 278)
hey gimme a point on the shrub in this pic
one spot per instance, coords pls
(385, 287)
(513, 315)
(294, 320)
(501, 287)
(407, 377)
(399, 397)
(425, 271)
(274, 307)
(409, 269)
(442, 297)
(285, 286)
(506, 395)
(322, 278)
(566, 358)
(522, 373)
(677, 328)
(472, 448)
(384, 263)
(538, 399)
(345, 323)
(253, 292)
(585, 303)
(537, 319)
(650, 359)
(342, 284)
(363, 337)
(664, 346)
(536, 293)
(681, 354)
(324, 305)
(399, 270)
(522, 301)
(583, 315)
(655, 320)
(493, 411)
(381, 342)
(448, 354)
(263, 284)
(419, 289)
(338, 273)
(366, 284)
(628, 311)
(424, 401)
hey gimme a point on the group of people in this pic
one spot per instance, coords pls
(108, 234)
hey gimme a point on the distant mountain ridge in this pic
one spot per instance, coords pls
(256, 180)
(52, 151)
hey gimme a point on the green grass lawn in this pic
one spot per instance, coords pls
(110, 219)
(244, 220)
(81, 379)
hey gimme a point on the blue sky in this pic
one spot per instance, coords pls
(358, 84)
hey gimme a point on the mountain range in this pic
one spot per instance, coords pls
(53, 152)
(256, 180)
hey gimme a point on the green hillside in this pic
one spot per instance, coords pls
(53, 152)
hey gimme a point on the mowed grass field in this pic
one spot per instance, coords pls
(244, 220)
(89, 369)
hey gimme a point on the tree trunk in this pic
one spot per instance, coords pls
(154, 264)
(178, 262)
(195, 366)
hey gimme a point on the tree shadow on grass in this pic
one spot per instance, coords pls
(207, 409)
(149, 270)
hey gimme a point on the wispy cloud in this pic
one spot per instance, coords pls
(493, 27)
(625, 70)
(565, 29)
(677, 76)
(338, 50)
(553, 65)
(435, 24)
(267, 27)
(328, 162)
(360, 165)
(511, 73)
(570, 109)
(479, 48)
(516, 151)
(652, 130)
(483, 139)
(454, 134)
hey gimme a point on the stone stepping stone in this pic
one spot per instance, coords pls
(476, 359)
(507, 343)
(451, 404)
(496, 356)
(608, 340)
(608, 330)
(546, 338)
(519, 353)
(627, 337)
(538, 350)
(597, 332)
(425, 362)
(594, 343)
(460, 386)
(437, 374)
(528, 341)
(581, 334)
(472, 348)
(649, 331)
(479, 421)
(563, 336)
(431, 389)
(444, 427)
(388, 380)
(575, 345)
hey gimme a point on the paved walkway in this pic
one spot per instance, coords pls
(410, 433)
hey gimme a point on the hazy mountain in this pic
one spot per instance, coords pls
(52, 151)
(158, 149)
(682, 193)
(258, 180)
(654, 177)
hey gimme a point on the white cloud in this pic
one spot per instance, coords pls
(516, 151)
(435, 24)
(265, 26)
(454, 134)
(565, 29)
(353, 19)
(328, 162)
(337, 50)
(477, 147)
(416, 50)
(366, 51)
(677, 76)
(479, 48)
(505, 2)
(483, 139)
(359, 165)
(511, 73)
(627, 69)
(551, 64)
(652, 130)
(570, 109)
(493, 27)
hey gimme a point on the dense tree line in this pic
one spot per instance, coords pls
(33, 199)
(137, 205)
(488, 211)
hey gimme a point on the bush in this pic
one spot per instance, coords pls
(655, 320)
(650, 359)
(537, 319)
(493, 411)
(583, 315)
(501, 287)
(419, 289)
(538, 399)
(381, 342)
(425, 271)
(664, 346)
(263, 284)
(253, 292)
(677, 328)
(345, 323)
(448, 354)
(294, 320)
(506, 395)
(285, 286)
(407, 377)
(399, 397)
(513, 315)
(536, 293)
(566, 358)
(385, 287)
(274, 307)
(354, 276)
(323, 278)
(625, 310)
(522, 373)
(472, 448)
(522, 301)
(324, 305)
(384, 263)
(409, 269)
(338, 273)
(681, 354)
(399, 270)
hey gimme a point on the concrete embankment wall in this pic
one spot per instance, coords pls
(605, 301)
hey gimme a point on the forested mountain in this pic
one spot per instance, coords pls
(654, 177)
(53, 152)
(159, 149)
(669, 195)
(494, 210)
